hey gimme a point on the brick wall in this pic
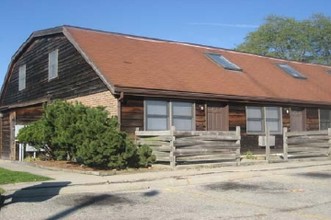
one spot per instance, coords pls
(105, 99)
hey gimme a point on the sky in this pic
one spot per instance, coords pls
(220, 23)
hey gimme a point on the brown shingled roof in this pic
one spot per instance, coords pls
(141, 63)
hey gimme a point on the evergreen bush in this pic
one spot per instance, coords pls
(86, 135)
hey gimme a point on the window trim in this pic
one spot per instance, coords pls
(264, 120)
(21, 73)
(56, 64)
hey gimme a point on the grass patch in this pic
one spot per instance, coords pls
(1, 191)
(8, 176)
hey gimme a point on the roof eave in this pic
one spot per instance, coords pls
(156, 93)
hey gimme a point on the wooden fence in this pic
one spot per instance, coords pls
(187, 147)
(307, 144)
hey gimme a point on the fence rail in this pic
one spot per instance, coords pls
(306, 144)
(182, 147)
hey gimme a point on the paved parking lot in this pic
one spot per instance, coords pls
(285, 193)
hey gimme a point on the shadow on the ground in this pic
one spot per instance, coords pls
(37, 193)
(317, 175)
(80, 201)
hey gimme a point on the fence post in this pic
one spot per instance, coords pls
(135, 136)
(267, 144)
(285, 146)
(329, 134)
(172, 148)
(238, 135)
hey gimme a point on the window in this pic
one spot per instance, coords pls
(182, 115)
(329, 72)
(160, 115)
(325, 119)
(258, 116)
(157, 115)
(53, 64)
(254, 119)
(22, 77)
(220, 60)
(291, 71)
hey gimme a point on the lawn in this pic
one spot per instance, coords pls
(8, 176)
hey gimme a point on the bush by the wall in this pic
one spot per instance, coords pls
(88, 135)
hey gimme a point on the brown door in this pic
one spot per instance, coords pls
(218, 117)
(298, 117)
(5, 134)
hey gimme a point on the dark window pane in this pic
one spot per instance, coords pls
(291, 71)
(226, 64)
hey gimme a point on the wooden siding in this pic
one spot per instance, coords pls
(286, 118)
(5, 148)
(132, 114)
(312, 121)
(237, 117)
(27, 115)
(200, 116)
(75, 76)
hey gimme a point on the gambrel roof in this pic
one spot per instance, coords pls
(153, 67)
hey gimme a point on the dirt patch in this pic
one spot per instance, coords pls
(75, 167)
(63, 165)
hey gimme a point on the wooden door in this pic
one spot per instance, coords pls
(218, 117)
(298, 119)
(5, 134)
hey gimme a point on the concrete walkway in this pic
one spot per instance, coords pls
(72, 182)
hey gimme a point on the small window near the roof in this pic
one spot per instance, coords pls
(291, 71)
(226, 64)
(329, 72)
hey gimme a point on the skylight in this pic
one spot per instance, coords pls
(291, 71)
(222, 61)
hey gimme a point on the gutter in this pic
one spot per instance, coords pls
(156, 93)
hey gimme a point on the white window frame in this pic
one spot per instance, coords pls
(319, 116)
(53, 62)
(22, 77)
(264, 120)
(170, 117)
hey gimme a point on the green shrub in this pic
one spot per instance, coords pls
(249, 155)
(86, 135)
(146, 158)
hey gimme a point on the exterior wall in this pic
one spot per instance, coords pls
(105, 99)
(75, 76)
(132, 114)
(29, 114)
(5, 134)
(312, 121)
(200, 116)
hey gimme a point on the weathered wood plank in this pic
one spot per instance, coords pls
(152, 133)
(211, 138)
(186, 152)
(207, 158)
(306, 133)
(179, 134)
(216, 144)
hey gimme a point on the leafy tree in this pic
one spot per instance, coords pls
(86, 135)
(286, 38)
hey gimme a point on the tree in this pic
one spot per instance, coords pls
(286, 38)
